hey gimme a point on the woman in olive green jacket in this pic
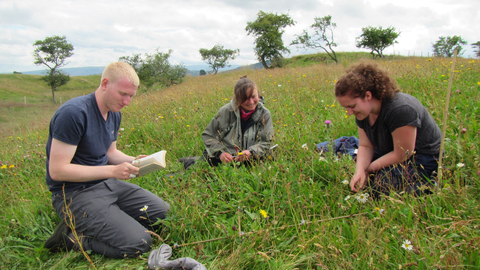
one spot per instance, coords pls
(241, 130)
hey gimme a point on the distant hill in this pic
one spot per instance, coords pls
(253, 66)
(232, 67)
(76, 71)
(193, 70)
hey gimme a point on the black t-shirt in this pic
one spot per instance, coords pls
(403, 110)
(79, 122)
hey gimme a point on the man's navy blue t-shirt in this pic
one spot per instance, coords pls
(79, 122)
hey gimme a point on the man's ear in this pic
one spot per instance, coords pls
(104, 83)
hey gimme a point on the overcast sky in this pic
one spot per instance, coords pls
(103, 30)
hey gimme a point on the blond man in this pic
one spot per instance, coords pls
(85, 173)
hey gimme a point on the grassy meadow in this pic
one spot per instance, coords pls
(293, 212)
(26, 101)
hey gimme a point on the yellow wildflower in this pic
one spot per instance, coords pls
(263, 213)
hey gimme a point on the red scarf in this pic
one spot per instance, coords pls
(245, 115)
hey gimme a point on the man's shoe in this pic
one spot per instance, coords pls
(59, 239)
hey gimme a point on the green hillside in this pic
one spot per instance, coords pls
(312, 219)
(26, 101)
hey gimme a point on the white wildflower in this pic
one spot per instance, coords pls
(407, 245)
(348, 197)
(144, 208)
(305, 146)
(345, 182)
(460, 165)
(362, 197)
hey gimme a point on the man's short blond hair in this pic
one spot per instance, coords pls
(117, 70)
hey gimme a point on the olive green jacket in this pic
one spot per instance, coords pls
(224, 132)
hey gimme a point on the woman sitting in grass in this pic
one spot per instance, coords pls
(241, 130)
(399, 140)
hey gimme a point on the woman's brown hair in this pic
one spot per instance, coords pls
(241, 90)
(367, 76)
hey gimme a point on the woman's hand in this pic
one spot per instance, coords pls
(225, 157)
(358, 181)
(242, 156)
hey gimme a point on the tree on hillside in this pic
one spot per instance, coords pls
(218, 57)
(53, 52)
(321, 39)
(268, 31)
(156, 68)
(377, 39)
(135, 61)
(445, 46)
(202, 72)
(476, 47)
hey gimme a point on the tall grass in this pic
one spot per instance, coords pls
(311, 223)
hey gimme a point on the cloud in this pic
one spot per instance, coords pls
(104, 30)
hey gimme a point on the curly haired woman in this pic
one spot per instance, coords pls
(399, 140)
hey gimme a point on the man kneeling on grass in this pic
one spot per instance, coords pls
(99, 211)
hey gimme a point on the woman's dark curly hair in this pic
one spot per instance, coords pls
(367, 76)
(241, 90)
